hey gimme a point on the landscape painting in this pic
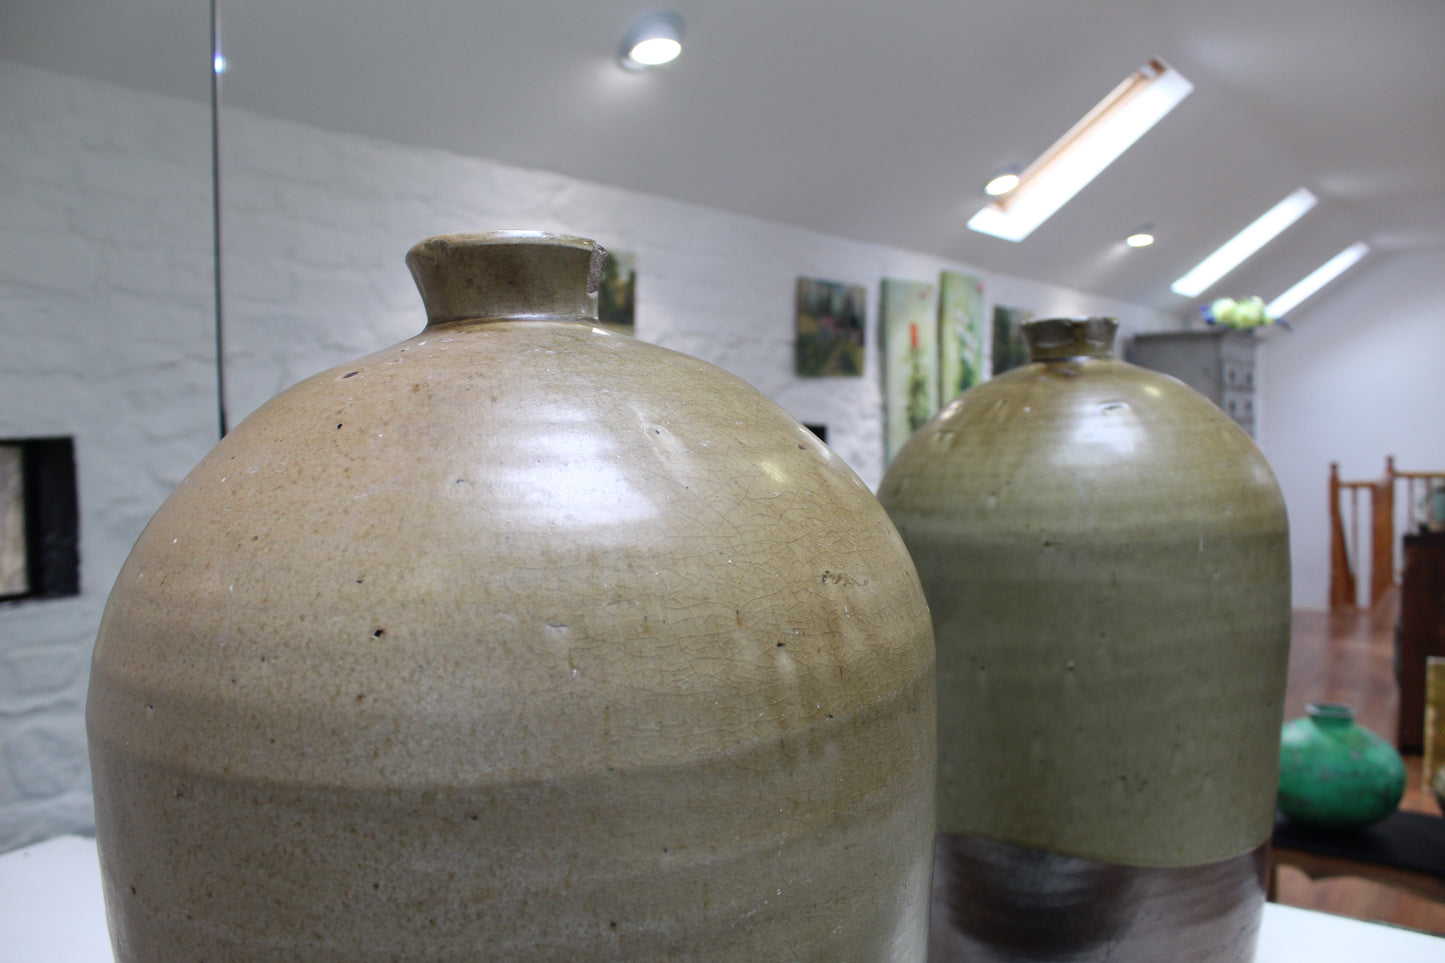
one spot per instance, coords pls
(831, 319)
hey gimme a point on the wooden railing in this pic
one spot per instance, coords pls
(1345, 535)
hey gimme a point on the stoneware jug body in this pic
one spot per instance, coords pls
(1106, 557)
(520, 640)
(1334, 773)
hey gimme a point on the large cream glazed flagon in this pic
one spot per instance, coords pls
(523, 639)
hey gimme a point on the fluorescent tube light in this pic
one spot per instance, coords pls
(1090, 146)
(1229, 256)
(1318, 278)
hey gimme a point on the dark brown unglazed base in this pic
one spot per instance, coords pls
(995, 901)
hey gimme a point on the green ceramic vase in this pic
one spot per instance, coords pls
(1335, 773)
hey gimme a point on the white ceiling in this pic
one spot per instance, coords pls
(870, 120)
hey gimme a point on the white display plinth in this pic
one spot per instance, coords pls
(51, 912)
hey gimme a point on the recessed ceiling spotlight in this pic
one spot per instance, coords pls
(1141, 238)
(1002, 182)
(654, 40)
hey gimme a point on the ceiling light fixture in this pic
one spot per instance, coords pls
(1234, 251)
(1002, 182)
(1090, 146)
(654, 40)
(1318, 278)
(1141, 238)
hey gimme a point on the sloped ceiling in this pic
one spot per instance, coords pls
(877, 121)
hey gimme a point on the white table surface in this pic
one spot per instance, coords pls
(51, 911)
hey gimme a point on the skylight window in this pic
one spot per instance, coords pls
(1234, 251)
(1090, 146)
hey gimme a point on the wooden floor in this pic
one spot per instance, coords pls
(1349, 657)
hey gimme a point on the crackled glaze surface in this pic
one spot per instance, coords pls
(519, 640)
(1106, 556)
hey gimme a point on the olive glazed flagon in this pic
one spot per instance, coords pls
(520, 640)
(1106, 556)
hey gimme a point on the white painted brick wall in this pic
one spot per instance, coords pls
(1355, 380)
(105, 316)
(317, 223)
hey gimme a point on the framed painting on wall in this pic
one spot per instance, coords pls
(617, 297)
(831, 320)
(1009, 350)
(960, 334)
(1434, 720)
(910, 359)
(14, 572)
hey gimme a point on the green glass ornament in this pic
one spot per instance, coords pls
(1335, 774)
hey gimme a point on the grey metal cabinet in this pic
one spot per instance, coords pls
(1218, 363)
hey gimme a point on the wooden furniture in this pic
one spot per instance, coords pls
(1421, 630)
(1406, 850)
(1345, 544)
(1219, 363)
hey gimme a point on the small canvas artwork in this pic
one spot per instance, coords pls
(910, 359)
(1434, 717)
(1009, 350)
(831, 325)
(960, 334)
(14, 579)
(617, 298)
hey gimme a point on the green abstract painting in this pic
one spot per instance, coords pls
(960, 334)
(910, 359)
(1009, 350)
(617, 298)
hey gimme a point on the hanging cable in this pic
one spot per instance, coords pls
(217, 62)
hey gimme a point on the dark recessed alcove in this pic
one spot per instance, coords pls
(39, 519)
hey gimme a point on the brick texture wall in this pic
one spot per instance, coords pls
(106, 320)
(105, 293)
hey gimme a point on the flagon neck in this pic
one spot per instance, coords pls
(507, 275)
(1060, 339)
(1331, 715)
